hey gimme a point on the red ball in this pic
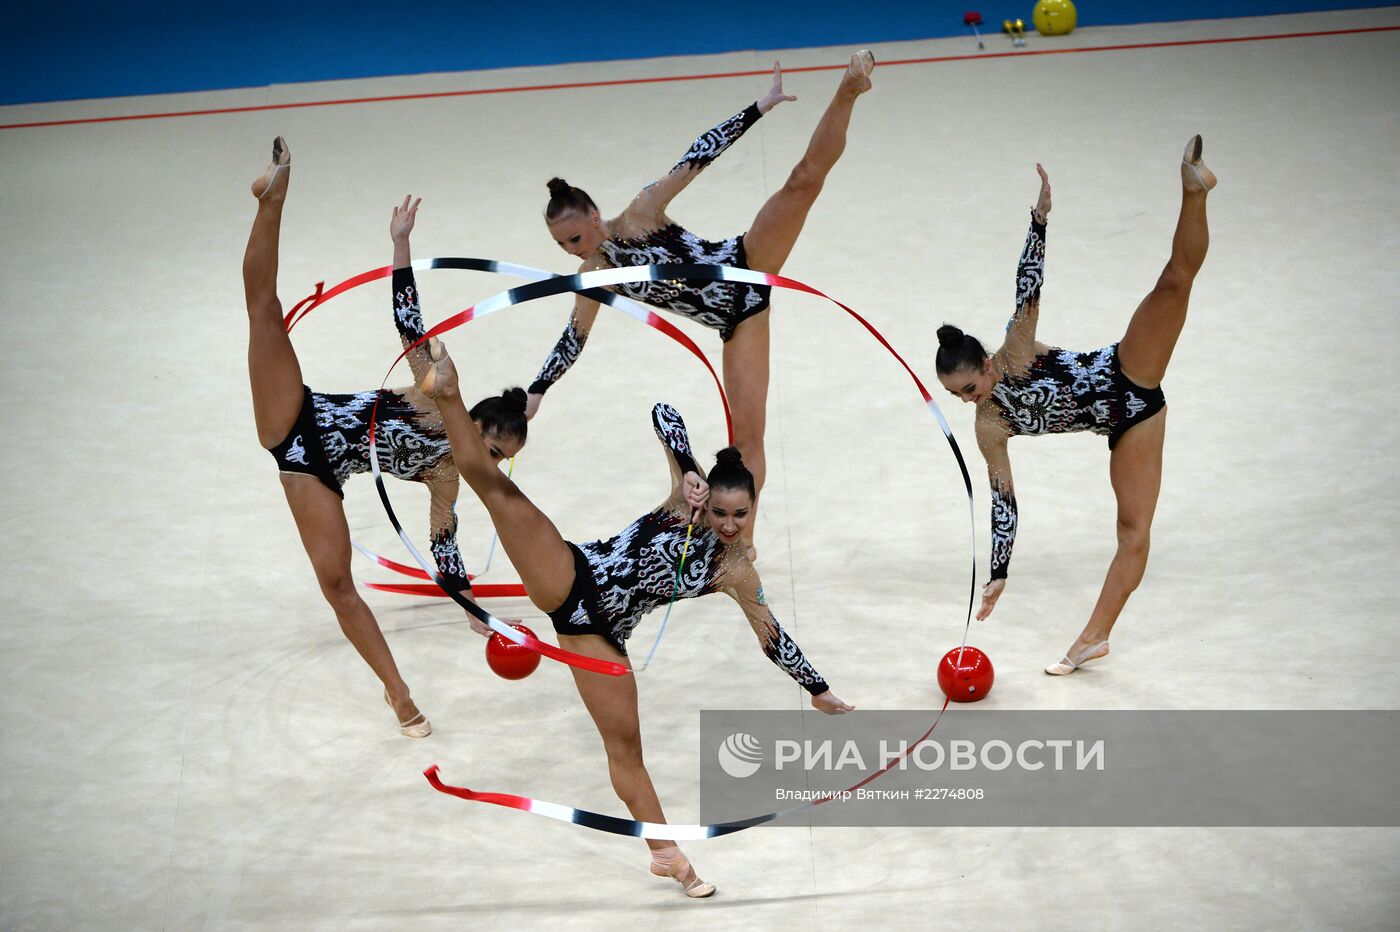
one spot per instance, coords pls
(967, 679)
(508, 659)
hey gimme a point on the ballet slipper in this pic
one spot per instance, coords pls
(669, 862)
(441, 379)
(862, 63)
(416, 727)
(281, 158)
(1067, 666)
(1195, 176)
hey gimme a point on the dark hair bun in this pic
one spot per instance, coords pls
(728, 457)
(514, 399)
(731, 473)
(949, 336)
(558, 187)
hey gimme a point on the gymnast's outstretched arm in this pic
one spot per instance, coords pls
(1020, 346)
(992, 439)
(778, 646)
(408, 316)
(651, 203)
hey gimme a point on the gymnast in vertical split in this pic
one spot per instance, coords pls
(596, 593)
(1028, 387)
(643, 234)
(320, 440)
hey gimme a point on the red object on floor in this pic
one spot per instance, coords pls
(510, 660)
(965, 678)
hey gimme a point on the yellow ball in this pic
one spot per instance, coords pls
(1054, 17)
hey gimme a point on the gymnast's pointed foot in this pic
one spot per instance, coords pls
(272, 184)
(857, 74)
(441, 380)
(1074, 659)
(1195, 177)
(669, 862)
(416, 724)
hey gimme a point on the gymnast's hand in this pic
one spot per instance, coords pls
(775, 93)
(1042, 203)
(532, 405)
(990, 593)
(696, 492)
(828, 703)
(401, 224)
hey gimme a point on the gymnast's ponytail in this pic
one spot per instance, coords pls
(564, 198)
(730, 472)
(502, 415)
(957, 350)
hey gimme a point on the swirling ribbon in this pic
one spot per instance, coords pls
(589, 283)
(605, 277)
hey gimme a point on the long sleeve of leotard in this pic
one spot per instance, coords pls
(1003, 530)
(651, 203)
(712, 143)
(670, 430)
(408, 318)
(992, 441)
(564, 355)
(1030, 275)
(444, 546)
(778, 646)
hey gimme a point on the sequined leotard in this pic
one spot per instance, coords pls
(1056, 391)
(619, 580)
(330, 439)
(721, 306)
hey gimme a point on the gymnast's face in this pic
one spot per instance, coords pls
(578, 234)
(728, 513)
(969, 384)
(500, 447)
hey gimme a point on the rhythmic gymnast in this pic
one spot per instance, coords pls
(320, 440)
(1027, 387)
(596, 593)
(644, 235)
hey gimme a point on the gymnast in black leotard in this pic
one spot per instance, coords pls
(643, 234)
(330, 439)
(596, 592)
(1027, 387)
(663, 555)
(320, 440)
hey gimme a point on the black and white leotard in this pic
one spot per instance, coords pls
(1049, 390)
(330, 439)
(721, 306)
(619, 580)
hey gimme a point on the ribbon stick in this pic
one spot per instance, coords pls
(675, 592)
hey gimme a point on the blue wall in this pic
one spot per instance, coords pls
(86, 49)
